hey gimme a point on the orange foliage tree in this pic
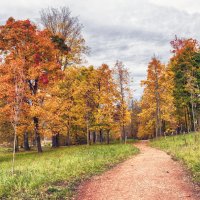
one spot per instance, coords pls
(157, 100)
(20, 41)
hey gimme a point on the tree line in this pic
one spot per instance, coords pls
(171, 100)
(46, 92)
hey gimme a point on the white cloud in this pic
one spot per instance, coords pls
(191, 6)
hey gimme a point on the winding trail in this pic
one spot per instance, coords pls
(151, 175)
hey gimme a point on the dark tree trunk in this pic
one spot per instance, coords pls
(88, 133)
(193, 114)
(17, 144)
(76, 135)
(101, 136)
(189, 119)
(108, 136)
(26, 142)
(157, 96)
(55, 140)
(163, 130)
(89, 136)
(34, 88)
(33, 141)
(94, 137)
(97, 138)
(123, 134)
(37, 135)
(186, 121)
(68, 139)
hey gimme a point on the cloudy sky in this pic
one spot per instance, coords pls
(128, 30)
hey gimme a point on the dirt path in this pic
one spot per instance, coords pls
(151, 175)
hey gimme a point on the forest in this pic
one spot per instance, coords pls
(49, 98)
(170, 102)
(47, 93)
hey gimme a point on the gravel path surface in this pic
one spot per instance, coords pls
(151, 175)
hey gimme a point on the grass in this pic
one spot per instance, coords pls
(55, 173)
(185, 148)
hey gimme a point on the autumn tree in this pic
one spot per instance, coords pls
(66, 33)
(64, 113)
(185, 65)
(135, 111)
(84, 99)
(106, 97)
(157, 100)
(88, 95)
(122, 81)
(155, 70)
(12, 93)
(74, 100)
(23, 42)
(73, 103)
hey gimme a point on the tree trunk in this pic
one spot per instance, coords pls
(108, 136)
(76, 135)
(68, 138)
(163, 126)
(132, 121)
(189, 119)
(26, 142)
(17, 144)
(123, 133)
(101, 136)
(94, 137)
(88, 133)
(55, 140)
(158, 119)
(97, 139)
(198, 119)
(193, 114)
(14, 148)
(186, 121)
(37, 135)
(90, 136)
(157, 95)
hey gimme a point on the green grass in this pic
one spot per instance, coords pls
(55, 173)
(185, 148)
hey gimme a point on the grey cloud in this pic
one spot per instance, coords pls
(117, 32)
(131, 31)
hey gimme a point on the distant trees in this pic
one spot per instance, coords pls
(134, 124)
(122, 82)
(171, 99)
(107, 95)
(186, 66)
(157, 101)
(45, 94)
(88, 99)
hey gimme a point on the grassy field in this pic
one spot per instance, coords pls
(55, 173)
(185, 148)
